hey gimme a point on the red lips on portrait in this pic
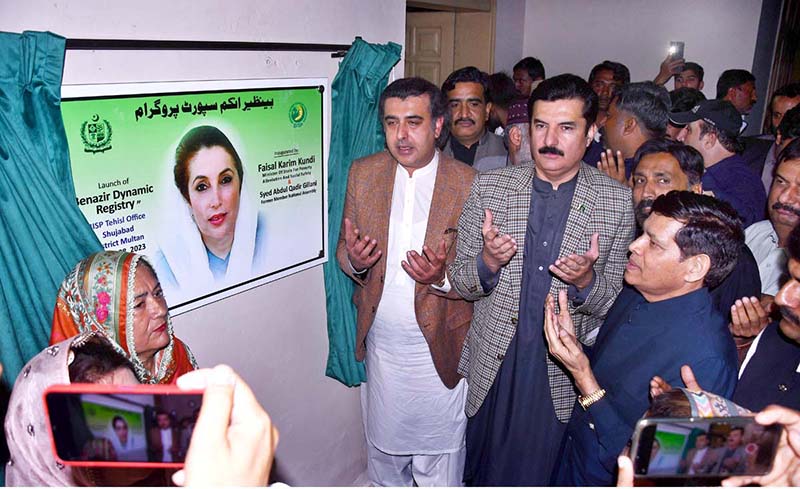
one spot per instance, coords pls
(161, 328)
(218, 219)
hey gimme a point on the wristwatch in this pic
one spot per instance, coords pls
(440, 283)
(592, 398)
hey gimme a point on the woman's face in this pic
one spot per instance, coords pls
(149, 315)
(214, 187)
(121, 429)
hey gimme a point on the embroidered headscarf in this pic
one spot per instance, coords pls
(98, 295)
(707, 405)
(32, 462)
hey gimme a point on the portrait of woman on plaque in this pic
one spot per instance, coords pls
(216, 238)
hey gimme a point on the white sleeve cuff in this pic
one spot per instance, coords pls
(444, 288)
(355, 272)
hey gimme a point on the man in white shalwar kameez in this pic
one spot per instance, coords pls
(398, 233)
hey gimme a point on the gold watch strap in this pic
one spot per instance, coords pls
(586, 401)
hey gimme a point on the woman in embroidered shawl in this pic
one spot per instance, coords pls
(118, 294)
(86, 358)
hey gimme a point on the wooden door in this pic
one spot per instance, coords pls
(430, 45)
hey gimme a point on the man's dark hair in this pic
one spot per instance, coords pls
(710, 227)
(468, 74)
(790, 152)
(731, 79)
(533, 66)
(621, 72)
(729, 141)
(685, 98)
(736, 428)
(501, 90)
(689, 159)
(793, 246)
(95, 358)
(790, 90)
(698, 70)
(416, 87)
(566, 87)
(118, 418)
(649, 103)
(790, 124)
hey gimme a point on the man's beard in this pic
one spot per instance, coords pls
(642, 211)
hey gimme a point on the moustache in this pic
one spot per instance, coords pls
(550, 150)
(790, 315)
(642, 210)
(794, 210)
(465, 119)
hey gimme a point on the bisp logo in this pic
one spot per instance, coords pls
(297, 114)
(96, 135)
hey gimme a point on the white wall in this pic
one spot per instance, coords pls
(274, 335)
(509, 34)
(574, 35)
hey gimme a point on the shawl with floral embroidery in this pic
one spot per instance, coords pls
(97, 295)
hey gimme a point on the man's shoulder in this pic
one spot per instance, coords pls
(507, 177)
(370, 160)
(457, 168)
(759, 230)
(494, 144)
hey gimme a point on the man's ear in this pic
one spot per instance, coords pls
(701, 85)
(778, 138)
(709, 140)
(589, 134)
(515, 136)
(696, 188)
(489, 106)
(437, 126)
(630, 125)
(697, 268)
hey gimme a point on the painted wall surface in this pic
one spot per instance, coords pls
(509, 34)
(574, 35)
(274, 335)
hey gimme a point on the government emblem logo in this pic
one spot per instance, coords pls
(297, 114)
(96, 135)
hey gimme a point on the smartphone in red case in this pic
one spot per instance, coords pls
(102, 425)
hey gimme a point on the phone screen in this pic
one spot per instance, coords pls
(95, 428)
(704, 447)
(676, 49)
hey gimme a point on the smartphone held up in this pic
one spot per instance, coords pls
(676, 49)
(703, 447)
(121, 426)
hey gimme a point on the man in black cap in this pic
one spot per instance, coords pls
(518, 136)
(712, 128)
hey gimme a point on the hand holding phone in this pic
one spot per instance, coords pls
(786, 466)
(103, 425)
(234, 440)
(703, 447)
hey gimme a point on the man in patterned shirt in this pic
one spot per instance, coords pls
(527, 231)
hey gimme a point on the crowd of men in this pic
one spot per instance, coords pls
(530, 252)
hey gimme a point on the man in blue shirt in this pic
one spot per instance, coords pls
(712, 128)
(664, 319)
